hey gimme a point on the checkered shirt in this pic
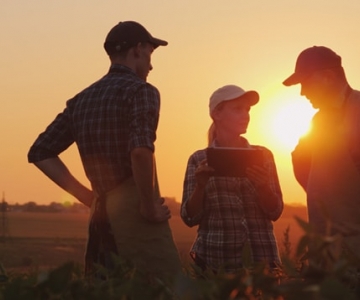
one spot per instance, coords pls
(106, 120)
(232, 216)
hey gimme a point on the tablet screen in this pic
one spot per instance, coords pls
(232, 162)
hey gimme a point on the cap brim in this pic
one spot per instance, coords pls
(252, 96)
(157, 42)
(291, 80)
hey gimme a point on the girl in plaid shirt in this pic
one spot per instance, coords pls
(231, 212)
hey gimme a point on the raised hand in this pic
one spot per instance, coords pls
(258, 176)
(202, 173)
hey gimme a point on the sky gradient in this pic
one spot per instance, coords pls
(53, 49)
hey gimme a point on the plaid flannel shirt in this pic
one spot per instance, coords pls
(106, 120)
(232, 216)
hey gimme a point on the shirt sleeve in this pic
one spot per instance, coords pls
(144, 117)
(274, 186)
(188, 188)
(56, 138)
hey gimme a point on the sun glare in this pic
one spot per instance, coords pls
(290, 121)
(281, 119)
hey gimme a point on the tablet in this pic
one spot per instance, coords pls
(233, 162)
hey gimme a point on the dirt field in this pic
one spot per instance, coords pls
(50, 239)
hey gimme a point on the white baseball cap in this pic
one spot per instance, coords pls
(232, 92)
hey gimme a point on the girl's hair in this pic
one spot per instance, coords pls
(211, 133)
(212, 128)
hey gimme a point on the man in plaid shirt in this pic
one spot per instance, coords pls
(113, 123)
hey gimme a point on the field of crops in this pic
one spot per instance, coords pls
(41, 257)
(48, 239)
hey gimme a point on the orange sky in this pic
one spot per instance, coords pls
(51, 50)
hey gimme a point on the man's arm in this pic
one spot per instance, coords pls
(301, 161)
(56, 170)
(143, 167)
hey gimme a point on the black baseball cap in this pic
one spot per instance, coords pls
(127, 34)
(313, 59)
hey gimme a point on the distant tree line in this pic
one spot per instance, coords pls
(54, 207)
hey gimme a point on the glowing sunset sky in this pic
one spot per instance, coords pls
(50, 50)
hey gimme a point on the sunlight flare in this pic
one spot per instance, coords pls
(290, 121)
(284, 116)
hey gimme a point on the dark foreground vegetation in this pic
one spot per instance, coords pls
(323, 272)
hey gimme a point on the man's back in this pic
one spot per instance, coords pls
(106, 120)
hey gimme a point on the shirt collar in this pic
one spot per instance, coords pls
(242, 141)
(343, 96)
(117, 68)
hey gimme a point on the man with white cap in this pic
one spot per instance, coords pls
(234, 213)
(326, 161)
(113, 123)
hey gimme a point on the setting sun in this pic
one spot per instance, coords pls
(284, 117)
(291, 121)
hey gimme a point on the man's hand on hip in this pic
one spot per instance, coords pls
(155, 211)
